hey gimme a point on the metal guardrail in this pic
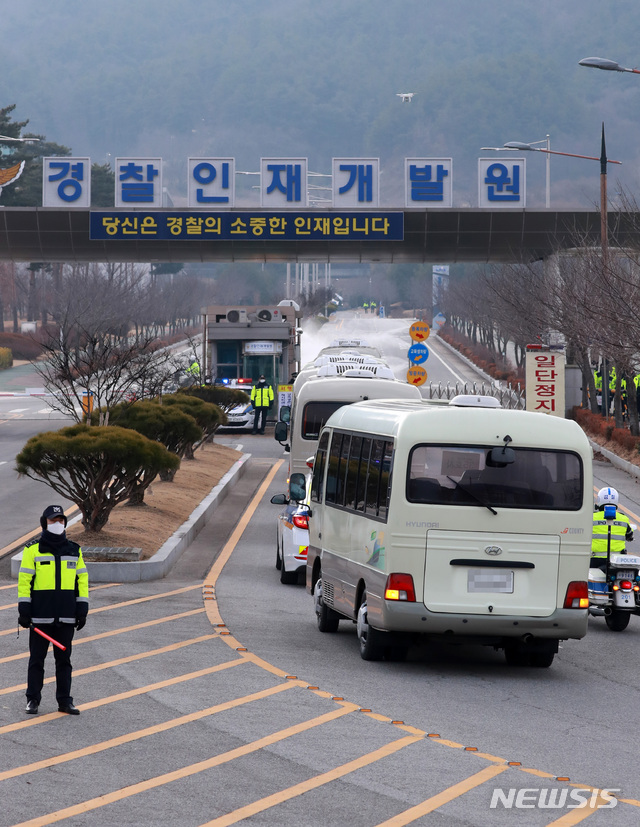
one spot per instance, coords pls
(507, 395)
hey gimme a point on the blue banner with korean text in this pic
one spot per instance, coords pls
(256, 225)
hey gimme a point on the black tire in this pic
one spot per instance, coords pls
(278, 558)
(372, 642)
(326, 618)
(617, 621)
(541, 660)
(516, 655)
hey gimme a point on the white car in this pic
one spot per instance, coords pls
(240, 417)
(292, 529)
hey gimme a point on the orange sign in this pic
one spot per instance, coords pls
(416, 375)
(419, 331)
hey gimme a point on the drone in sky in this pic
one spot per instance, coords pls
(406, 96)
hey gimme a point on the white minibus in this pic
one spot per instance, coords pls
(321, 395)
(472, 524)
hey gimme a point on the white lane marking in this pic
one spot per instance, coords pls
(432, 350)
(3, 462)
(45, 410)
(18, 410)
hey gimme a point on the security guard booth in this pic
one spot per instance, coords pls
(246, 342)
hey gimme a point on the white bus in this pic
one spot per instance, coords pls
(321, 395)
(465, 523)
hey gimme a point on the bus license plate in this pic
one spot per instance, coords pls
(481, 581)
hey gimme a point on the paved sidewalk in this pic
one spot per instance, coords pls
(19, 378)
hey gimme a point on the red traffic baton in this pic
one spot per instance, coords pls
(46, 637)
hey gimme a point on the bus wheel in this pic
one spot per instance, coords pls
(371, 640)
(617, 621)
(328, 620)
(541, 659)
(516, 655)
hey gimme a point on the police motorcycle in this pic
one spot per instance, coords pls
(615, 591)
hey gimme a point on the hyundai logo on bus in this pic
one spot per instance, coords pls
(493, 550)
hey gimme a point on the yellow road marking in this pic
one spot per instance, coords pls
(578, 814)
(130, 693)
(186, 772)
(211, 607)
(444, 797)
(114, 632)
(14, 605)
(144, 599)
(172, 647)
(311, 784)
(102, 746)
(119, 605)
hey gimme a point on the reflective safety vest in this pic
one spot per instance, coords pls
(261, 397)
(620, 532)
(53, 587)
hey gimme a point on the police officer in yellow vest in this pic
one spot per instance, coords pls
(261, 399)
(618, 523)
(53, 596)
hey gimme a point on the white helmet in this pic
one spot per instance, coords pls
(607, 496)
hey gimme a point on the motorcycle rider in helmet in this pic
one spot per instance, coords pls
(621, 530)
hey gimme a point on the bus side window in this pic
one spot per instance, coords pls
(351, 486)
(332, 471)
(362, 474)
(318, 468)
(343, 467)
(385, 481)
(373, 477)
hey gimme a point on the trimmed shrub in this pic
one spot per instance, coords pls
(6, 358)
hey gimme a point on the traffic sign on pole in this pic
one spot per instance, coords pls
(418, 353)
(416, 375)
(419, 331)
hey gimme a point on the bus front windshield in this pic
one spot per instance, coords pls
(462, 475)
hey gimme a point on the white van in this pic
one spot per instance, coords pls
(323, 394)
(472, 524)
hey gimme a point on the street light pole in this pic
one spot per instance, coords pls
(604, 224)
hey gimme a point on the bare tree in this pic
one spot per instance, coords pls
(90, 348)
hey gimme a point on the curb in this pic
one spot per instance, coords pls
(615, 460)
(158, 566)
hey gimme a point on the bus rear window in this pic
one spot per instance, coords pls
(314, 416)
(465, 475)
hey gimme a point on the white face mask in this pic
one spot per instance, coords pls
(55, 528)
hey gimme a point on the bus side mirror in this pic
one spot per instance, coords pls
(285, 413)
(281, 431)
(297, 487)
